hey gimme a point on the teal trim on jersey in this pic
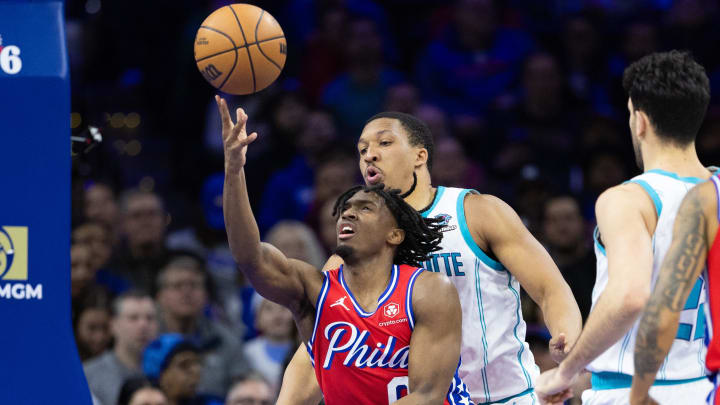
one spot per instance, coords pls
(519, 316)
(610, 381)
(651, 192)
(478, 296)
(436, 200)
(600, 247)
(493, 264)
(693, 180)
(506, 399)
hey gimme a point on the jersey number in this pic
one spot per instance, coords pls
(693, 303)
(10, 61)
(397, 388)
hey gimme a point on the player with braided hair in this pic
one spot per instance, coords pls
(372, 325)
(422, 235)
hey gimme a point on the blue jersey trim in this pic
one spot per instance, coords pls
(651, 192)
(319, 305)
(478, 296)
(438, 193)
(381, 300)
(408, 299)
(624, 346)
(610, 381)
(693, 180)
(518, 314)
(493, 264)
(506, 399)
(596, 239)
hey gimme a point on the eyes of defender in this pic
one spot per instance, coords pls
(363, 148)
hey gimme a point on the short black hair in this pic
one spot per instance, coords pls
(673, 90)
(422, 235)
(131, 386)
(418, 132)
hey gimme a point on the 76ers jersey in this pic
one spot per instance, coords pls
(362, 357)
(497, 364)
(685, 361)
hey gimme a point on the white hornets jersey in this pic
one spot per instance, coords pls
(685, 361)
(497, 364)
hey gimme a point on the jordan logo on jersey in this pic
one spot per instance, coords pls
(359, 353)
(340, 302)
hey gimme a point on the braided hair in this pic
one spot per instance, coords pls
(422, 235)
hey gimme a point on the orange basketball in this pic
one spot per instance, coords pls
(240, 49)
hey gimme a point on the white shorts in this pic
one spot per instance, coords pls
(692, 393)
(528, 399)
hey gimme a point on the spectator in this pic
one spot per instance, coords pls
(297, 241)
(182, 297)
(82, 272)
(289, 194)
(101, 206)
(473, 63)
(98, 238)
(92, 318)
(452, 168)
(267, 352)
(144, 222)
(133, 326)
(174, 363)
(403, 97)
(140, 391)
(252, 389)
(565, 238)
(359, 92)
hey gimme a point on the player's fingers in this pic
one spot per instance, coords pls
(558, 342)
(250, 139)
(223, 110)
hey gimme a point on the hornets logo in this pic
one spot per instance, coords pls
(445, 222)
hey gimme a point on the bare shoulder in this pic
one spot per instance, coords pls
(704, 197)
(627, 197)
(432, 288)
(489, 218)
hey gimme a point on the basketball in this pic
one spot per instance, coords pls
(240, 49)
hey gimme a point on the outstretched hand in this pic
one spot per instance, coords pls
(553, 388)
(235, 137)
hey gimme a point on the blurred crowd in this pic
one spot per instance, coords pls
(523, 97)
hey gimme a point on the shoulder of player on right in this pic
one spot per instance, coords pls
(626, 196)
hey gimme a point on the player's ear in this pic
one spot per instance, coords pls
(421, 157)
(642, 122)
(396, 236)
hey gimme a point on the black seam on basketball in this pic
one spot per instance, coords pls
(221, 33)
(239, 47)
(252, 68)
(258, 42)
(231, 71)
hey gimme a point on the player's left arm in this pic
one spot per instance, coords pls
(623, 215)
(435, 342)
(492, 220)
(684, 262)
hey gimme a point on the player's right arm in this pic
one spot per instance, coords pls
(684, 262)
(273, 275)
(435, 342)
(299, 384)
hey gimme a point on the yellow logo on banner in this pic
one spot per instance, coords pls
(13, 252)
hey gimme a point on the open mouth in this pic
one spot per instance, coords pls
(373, 175)
(346, 232)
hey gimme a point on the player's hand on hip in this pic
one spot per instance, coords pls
(559, 348)
(553, 387)
(234, 135)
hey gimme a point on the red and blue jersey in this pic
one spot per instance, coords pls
(362, 357)
(712, 360)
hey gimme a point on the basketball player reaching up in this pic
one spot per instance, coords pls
(485, 251)
(379, 329)
(668, 94)
(694, 241)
